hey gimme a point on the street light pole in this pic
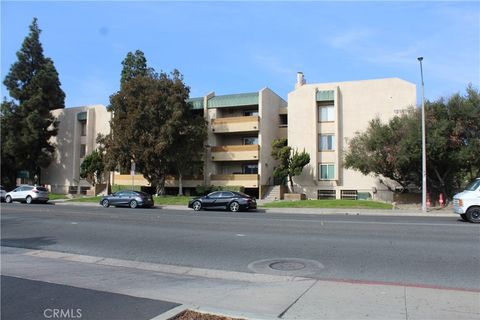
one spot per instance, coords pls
(424, 149)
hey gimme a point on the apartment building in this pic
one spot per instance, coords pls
(322, 117)
(241, 129)
(77, 133)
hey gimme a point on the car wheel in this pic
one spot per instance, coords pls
(234, 206)
(197, 206)
(105, 203)
(8, 199)
(473, 215)
(464, 216)
(28, 199)
(133, 204)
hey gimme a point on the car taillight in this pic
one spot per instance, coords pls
(35, 191)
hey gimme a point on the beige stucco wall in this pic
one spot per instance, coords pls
(356, 103)
(64, 171)
(269, 110)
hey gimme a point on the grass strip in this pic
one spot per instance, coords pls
(351, 204)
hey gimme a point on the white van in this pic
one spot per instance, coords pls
(467, 203)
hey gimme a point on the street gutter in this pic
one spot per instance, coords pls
(318, 211)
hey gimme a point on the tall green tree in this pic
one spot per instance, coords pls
(134, 65)
(151, 120)
(189, 146)
(289, 164)
(92, 167)
(34, 86)
(393, 150)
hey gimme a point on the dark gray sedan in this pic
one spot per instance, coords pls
(127, 198)
(230, 200)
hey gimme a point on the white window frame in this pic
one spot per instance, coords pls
(327, 165)
(325, 147)
(329, 113)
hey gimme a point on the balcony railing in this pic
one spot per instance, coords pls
(235, 124)
(187, 181)
(235, 153)
(170, 180)
(245, 180)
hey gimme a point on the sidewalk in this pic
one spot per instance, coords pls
(445, 212)
(242, 294)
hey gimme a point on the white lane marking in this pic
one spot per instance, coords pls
(74, 222)
(240, 235)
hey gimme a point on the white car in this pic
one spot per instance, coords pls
(2, 193)
(467, 203)
(27, 194)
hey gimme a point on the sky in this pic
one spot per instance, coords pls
(237, 47)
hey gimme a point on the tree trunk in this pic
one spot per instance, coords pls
(180, 186)
(161, 185)
(290, 179)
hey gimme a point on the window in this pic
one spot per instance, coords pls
(250, 140)
(227, 195)
(326, 171)
(83, 125)
(326, 113)
(250, 169)
(326, 142)
(248, 113)
(283, 120)
(215, 194)
(326, 194)
(83, 149)
(349, 194)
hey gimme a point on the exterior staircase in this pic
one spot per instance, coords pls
(273, 193)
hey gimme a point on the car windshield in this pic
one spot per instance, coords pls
(473, 185)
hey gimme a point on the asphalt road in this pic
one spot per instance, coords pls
(419, 251)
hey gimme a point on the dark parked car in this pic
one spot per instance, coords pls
(3, 192)
(231, 200)
(127, 198)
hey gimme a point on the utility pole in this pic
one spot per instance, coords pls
(424, 149)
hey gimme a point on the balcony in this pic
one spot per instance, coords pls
(170, 180)
(235, 124)
(187, 181)
(245, 180)
(235, 153)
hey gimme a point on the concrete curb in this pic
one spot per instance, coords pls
(314, 211)
(171, 313)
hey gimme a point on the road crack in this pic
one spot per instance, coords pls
(296, 300)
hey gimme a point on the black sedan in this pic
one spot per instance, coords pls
(127, 198)
(231, 200)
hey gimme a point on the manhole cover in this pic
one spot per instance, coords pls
(287, 265)
(295, 267)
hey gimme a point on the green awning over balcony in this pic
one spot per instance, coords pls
(326, 95)
(82, 116)
(233, 100)
(197, 103)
